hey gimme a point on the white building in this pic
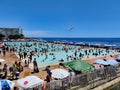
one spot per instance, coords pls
(10, 31)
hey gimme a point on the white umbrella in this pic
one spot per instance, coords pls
(2, 60)
(59, 73)
(101, 62)
(6, 84)
(30, 82)
(112, 62)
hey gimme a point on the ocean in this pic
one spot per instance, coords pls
(93, 41)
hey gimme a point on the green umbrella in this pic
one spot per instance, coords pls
(78, 65)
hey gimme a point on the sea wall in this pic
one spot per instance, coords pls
(99, 81)
(108, 84)
(103, 86)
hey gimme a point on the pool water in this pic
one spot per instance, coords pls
(50, 60)
(38, 45)
(57, 55)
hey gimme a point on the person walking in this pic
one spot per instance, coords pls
(35, 66)
(5, 70)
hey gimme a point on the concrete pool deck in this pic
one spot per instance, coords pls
(11, 57)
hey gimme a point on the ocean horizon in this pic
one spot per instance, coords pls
(92, 41)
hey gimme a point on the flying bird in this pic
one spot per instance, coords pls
(70, 29)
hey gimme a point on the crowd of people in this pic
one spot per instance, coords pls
(13, 71)
(27, 51)
(38, 49)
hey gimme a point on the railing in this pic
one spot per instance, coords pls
(88, 80)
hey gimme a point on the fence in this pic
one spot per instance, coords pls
(90, 80)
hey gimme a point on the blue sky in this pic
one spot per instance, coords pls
(54, 18)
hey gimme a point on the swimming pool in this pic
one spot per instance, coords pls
(60, 56)
(56, 49)
(31, 46)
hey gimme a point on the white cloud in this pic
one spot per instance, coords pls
(37, 33)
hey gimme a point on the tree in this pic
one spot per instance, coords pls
(1, 36)
(10, 37)
(16, 36)
(22, 36)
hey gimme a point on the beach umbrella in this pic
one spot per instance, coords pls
(97, 66)
(2, 60)
(118, 58)
(6, 84)
(30, 82)
(101, 62)
(78, 65)
(109, 58)
(112, 62)
(59, 73)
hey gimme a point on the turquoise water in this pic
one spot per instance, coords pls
(49, 60)
(58, 54)
(38, 46)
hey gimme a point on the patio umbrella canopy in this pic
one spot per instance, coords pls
(97, 66)
(78, 65)
(6, 84)
(118, 58)
(101, 62)
(30, 82)
(59, 73)
(109, 58)
(112, 62)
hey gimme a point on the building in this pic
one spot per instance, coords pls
(10, 31)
